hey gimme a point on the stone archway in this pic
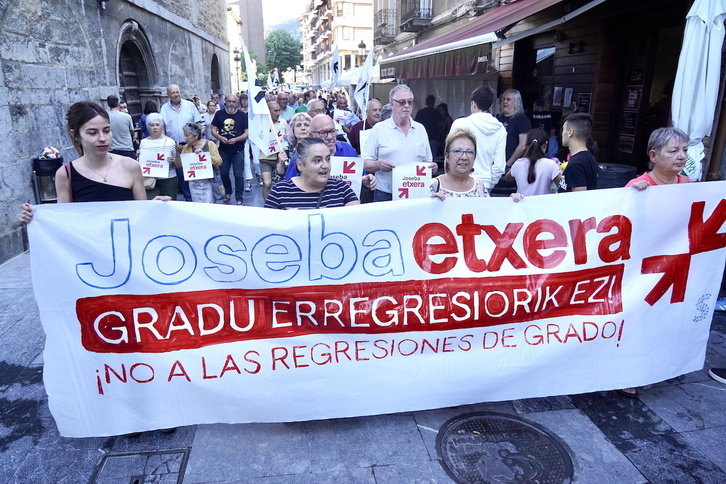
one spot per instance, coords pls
(136, 69)
(214, 75)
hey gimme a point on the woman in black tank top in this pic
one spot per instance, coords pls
(97, 175)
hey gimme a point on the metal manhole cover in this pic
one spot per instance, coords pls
(492, 448)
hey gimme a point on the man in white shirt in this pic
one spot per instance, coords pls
(176, 113)
(394, 142)
(490, 134)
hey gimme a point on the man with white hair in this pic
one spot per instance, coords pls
(394, 142)
(176, 113)
(373, 116)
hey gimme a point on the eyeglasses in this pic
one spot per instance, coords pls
(403, 102)
(325, 134)
(318, 111)
(460, 153)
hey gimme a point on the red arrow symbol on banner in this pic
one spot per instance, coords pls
(704, 236)
(202, 157)
(192, 174)
(147, 170)
(675, 274)
(348, 167)
(420, 171)
(160, 157)
(403, 193)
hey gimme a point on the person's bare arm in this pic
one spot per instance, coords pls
(372, 166)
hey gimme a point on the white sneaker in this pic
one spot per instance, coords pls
(718, 374)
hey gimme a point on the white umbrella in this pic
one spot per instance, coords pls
(698, 77)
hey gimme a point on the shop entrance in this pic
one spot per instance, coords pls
(647, 60)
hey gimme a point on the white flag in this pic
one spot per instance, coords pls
(334, 67)
(364, 81)
(276, 80)
(259, 114)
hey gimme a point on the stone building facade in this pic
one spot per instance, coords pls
(58, 52)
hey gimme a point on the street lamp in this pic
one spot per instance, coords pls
(362, 52)
(237, 58)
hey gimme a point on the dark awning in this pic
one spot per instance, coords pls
(464, 51)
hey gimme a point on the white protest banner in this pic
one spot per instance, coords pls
(334, 67)
(339, 116)
(197, 166)
(363, 85)
(153, 162)
(411, 180)
(259, 114)
(162, 314)
(349, 170)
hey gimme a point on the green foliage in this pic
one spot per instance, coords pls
(282, 51)
(261, 69)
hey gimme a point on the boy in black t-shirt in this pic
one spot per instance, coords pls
(581, 171)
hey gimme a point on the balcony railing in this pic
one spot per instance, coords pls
(385, 26)
(416, 15)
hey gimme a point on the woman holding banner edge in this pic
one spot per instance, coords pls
(96, 175)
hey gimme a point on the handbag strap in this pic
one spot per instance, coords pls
(320, 198)
(70, 186)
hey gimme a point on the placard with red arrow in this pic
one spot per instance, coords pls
(348, 169)
(153, 162)
(197, 166)
(411, 180)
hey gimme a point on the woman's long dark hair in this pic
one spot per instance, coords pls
(536, 138)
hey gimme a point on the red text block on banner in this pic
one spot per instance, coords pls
(167, 322)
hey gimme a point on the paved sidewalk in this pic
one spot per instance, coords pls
(675, 432)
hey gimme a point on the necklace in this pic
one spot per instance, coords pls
(97, 173)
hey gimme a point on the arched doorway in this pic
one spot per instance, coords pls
(214, 77)
(136, 69)
(128, 79)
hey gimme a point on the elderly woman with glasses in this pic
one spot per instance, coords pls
(459, 156)
(312, 188)
(298, 128)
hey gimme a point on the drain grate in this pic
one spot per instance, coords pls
(142, 467)
(491, 448)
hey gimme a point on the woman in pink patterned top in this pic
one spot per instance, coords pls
(667, 150)
(459, 155)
